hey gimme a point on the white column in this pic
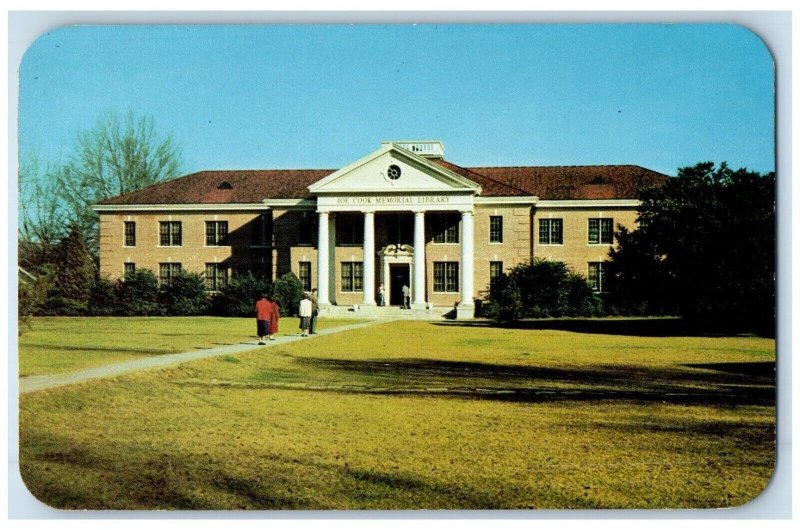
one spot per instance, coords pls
(467, 274)
(419, 260)
(322, 259)
(369, 258)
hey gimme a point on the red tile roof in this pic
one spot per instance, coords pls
(253, 186)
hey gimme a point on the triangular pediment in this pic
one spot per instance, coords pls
(392, 169)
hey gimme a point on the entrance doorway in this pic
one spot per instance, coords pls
(399, 275)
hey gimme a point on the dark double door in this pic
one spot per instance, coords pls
(400, 275)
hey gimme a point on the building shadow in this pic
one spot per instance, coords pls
(713, 384)
(637, 327)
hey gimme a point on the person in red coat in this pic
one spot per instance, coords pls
(264, 310)
(276, 315)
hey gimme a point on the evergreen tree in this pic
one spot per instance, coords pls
(238, 297)
(185, 295)
(74, 275)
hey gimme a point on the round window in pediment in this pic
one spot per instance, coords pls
(393, 172)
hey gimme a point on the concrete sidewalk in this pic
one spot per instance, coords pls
(43, 382)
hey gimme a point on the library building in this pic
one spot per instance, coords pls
(401, 225)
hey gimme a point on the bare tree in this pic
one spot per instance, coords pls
(119, 155)
(41, 217)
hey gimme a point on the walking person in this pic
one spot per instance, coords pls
(314, 311)
(276, 315)
(263, 310)
(406, 297)
(304, 313)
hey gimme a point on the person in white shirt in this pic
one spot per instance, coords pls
(305, 312)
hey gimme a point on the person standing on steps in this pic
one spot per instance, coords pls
(276, 315)
(264, 310)
(304, 313)
(314, 311)
(406, 297)
(381, 295)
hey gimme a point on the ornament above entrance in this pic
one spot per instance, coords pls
(393, 178)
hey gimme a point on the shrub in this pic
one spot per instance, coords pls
(137, 294)
(185, 295)
(237, 298)
(506, 300)
(581, 300)
(288, 291)
(102, 299)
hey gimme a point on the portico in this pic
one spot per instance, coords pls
(389, 181)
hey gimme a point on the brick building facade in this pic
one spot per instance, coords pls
(400, 215)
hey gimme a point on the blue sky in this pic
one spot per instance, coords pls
(321, 96)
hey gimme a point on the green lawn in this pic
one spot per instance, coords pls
(64, 344)
(412, 415)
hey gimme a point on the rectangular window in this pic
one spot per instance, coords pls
(349, 229)
(597, 275)
(551, 232)
(216, 233)
(261, 231)
(130, 234)
(167, 271)
(170, 233)
(445, 228)
(496, 229)
(495, 271)
(601, 231)
(130, 268)
(305, 275)
(216, 276)
(445, 276)
(352, 276)
(305, 229)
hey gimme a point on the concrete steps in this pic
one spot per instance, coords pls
(384, 313)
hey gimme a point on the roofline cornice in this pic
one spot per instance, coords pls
(589, 203)
(179, 207)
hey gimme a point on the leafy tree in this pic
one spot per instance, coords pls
(137, 294)
(710, 234)
(118, 155)
(185, 295)
(238, 297)
(288, 291)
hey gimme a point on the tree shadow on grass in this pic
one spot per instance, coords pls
(637, 327)
(103, 349)
(744, 384)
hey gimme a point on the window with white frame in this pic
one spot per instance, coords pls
(352, 276)
(130, 234)
(597, 276)
(551, 231)
(166, 272)
(305, 274)
(349, 229)
(495, 229)
(216, 276)
(601, 231)
(495, 271)
(170, 233)
(445, 227)
(129, 269)
(445, 276)
(216, 233)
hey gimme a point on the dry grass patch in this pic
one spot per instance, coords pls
(417, 415)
